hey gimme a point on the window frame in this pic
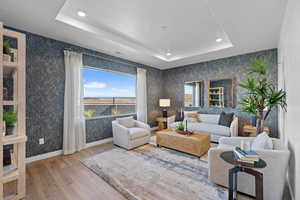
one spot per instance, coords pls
(116, 72)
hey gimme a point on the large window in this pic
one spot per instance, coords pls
(108, 93)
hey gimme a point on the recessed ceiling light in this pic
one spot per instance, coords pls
(219, 40)
(168, 54)
(81, 13)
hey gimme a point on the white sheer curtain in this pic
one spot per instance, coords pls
(141, 95)
(74, 123)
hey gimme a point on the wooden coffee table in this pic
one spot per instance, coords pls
(195, 144)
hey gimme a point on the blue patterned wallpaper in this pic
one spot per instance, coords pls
(45, 88)
(45, 92)
(233, 67)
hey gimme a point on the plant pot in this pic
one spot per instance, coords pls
(10, 130)
(6, 58)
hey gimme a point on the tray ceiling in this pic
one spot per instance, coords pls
(162, 34)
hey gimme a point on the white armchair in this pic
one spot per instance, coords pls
(129, 138)
(274, 173)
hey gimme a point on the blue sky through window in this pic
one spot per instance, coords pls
(98, 83)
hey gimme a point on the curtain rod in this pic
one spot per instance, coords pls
(102, 57)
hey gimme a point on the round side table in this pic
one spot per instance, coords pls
(229, 157)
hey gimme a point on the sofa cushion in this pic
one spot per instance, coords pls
(225, 119)
(135, 133)
(209, 128)
(209, 118)
(191, 116)
(128, 122)
(262, 141)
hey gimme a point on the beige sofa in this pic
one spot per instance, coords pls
(209, 124)
(274, 173)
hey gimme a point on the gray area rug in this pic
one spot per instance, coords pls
(151, 173)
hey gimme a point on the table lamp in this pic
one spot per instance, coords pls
(164, 103)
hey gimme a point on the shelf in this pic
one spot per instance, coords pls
(11, 197)
(9, 103)
(12, 139)
(11, 176)
(9, 68)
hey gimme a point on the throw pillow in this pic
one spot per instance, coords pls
(262, 141)
(191, 116)
(225, 119)
(179, 116)
(128, 122)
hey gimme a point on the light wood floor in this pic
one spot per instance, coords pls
(65, 177)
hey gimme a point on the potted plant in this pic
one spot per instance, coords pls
(6, 51)
(180, 126)
(263, 96)
(10, 119)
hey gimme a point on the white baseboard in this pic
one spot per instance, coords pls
(43, 156)
(103, 141)
(60, 152)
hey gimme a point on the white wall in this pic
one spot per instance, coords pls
(289, 78)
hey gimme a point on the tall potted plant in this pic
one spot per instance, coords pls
(263, 96)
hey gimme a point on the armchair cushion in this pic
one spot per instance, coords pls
(262, 141)
(135, 133)
(128, 122)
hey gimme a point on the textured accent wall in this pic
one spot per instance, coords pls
(45, 89)
(45, 92)
(233, 67)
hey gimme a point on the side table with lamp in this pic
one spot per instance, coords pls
(162, 121)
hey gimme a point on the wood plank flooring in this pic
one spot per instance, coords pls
(65, 178)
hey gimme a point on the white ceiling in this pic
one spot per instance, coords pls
(144, 31)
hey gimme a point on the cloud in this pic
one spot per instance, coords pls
(97, 85)
(120, 90)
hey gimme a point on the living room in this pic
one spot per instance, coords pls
(149, 100)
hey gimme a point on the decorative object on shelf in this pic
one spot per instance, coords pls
(5, 94)
(14, 56)
(6, 51)
(10, 119)
(165, 103)
(7, 150)
(262, 94)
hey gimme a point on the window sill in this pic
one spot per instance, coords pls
(109, 116)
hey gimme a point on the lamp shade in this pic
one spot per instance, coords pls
(164, 102)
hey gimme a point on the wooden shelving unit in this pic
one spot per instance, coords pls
(216, 97)
(16, 70)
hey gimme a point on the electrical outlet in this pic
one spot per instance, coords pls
(41, 141)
